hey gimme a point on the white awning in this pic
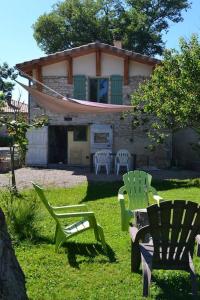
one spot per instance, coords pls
(69, 105)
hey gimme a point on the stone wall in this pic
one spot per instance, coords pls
(183, 153)
(123, 135)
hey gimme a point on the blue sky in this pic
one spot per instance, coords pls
(16, 34)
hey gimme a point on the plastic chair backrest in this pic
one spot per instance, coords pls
(102, 156)
(43, 198)
(123, 156)
(137, 185)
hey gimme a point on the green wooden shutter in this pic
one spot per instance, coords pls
(116, 89)
(80, 87)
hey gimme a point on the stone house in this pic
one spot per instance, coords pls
(9, 111)
(94, 72)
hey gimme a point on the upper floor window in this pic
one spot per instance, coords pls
(98, 90)
(103, 90)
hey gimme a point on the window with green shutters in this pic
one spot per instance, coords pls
(116, 89)
(80, 87)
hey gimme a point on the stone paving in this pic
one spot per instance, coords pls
(74, 176)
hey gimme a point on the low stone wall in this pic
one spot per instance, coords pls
(183, 153)
(5, 165)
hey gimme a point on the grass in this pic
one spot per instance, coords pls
(81, 271)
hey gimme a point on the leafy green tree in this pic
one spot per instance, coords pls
(138, 23)
(16, 125)
(169, 101)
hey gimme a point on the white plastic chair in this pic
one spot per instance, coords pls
(122, 159)
(102, 158)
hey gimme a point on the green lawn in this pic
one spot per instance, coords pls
(81, 270)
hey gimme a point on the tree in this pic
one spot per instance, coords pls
(16, 125)
(169, 101)
(138, 23)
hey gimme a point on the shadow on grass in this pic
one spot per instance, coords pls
(100, 190)
(40, 239)
(87, 250)
(162, 185)
(175, 287)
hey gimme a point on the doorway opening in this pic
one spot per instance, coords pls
(57, 145)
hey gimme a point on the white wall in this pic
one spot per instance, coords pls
(138, 69)
(85, 65)
(111, 65)
(57, 69)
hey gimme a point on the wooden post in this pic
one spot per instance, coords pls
(38, 77)
(126, 70)
(98, 62)
(70, 70)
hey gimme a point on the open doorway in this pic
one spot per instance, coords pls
(57, 145)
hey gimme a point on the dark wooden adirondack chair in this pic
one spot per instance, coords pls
(64, 232)
(137, 185)
(173, 226)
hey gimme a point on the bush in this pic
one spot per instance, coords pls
(21, 214)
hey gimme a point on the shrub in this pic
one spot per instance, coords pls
(21, 214)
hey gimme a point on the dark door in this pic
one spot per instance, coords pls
(57, 144)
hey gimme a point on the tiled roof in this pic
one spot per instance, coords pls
(20, 106)
(91, 46)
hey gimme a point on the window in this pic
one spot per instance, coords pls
(98, 90)
(80, 134)
(101, 137)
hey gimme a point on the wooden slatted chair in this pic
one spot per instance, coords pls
(137, 184)
(173, 226)
(63, 233)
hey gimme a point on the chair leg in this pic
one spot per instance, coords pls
(193, 279)
(135, 257)
(146, 269)
(107, 169)
(102, 238)
(96, 169)
(118, 167)
(59, 241)
(56, 231)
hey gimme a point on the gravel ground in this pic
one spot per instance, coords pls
(71, 177)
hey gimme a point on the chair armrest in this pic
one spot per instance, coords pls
(121, 193)
(76, 214)
(133, 231)
(125, 214)
(137, 235)
(81, 206)
(198, 244)
(157, 198)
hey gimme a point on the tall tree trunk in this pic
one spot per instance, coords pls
(12, 279)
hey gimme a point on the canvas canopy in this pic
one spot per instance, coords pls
(69, 105)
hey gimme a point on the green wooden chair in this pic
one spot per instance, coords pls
(137, 184)
(64, 232)
(173, 226)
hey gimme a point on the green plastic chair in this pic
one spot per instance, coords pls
(64, 232)
(137, 184)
